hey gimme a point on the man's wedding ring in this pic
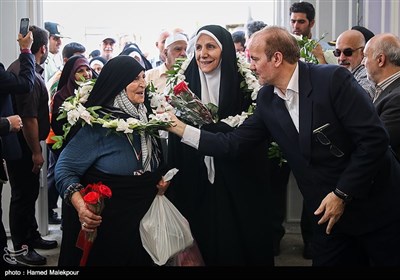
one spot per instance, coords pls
(84, 224)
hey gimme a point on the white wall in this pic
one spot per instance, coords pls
(10, 14)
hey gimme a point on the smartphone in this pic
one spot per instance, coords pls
(24, 26)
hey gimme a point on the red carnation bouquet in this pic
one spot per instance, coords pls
(190, 108)
(93, 195)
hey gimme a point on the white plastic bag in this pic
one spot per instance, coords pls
(164, 231)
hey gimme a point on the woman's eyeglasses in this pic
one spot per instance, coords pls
(324, 140)
(346, 52)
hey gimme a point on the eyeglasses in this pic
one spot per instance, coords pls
(346, 52)
(324, 140)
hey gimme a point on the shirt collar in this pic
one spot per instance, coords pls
(163, 69)
(386, 82)
(292, 87)
(294, 80)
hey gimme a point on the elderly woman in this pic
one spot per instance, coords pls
(225, 201)
(130, 164)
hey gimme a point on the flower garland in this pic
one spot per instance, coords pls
(73, 110)
(250, 82)
(250, 85)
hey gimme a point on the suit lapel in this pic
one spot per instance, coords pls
(283, 117)
(305, 110)
(395, 84)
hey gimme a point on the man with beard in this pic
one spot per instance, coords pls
(302, 20)
(349, 52)
(24, 172)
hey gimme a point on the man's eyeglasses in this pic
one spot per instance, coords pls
(324, 140)
(346, 52)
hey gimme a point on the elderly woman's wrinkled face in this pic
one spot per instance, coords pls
(135, 90)
(208, 53)
(83, 73)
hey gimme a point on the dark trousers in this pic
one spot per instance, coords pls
(306, 225)
(24, 193)
(3, 235)
(380, 247)
(279, 181)
(52, 193)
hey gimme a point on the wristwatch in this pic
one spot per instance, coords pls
(345, 197)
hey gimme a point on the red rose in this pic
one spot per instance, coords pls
(181, 87)
(94, 187)
(86, 190)
(104, 190)
(92, 198)
(93, 195)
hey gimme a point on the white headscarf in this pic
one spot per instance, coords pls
(210, 85)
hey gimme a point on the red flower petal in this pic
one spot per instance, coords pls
(181, 87)
(92, 197)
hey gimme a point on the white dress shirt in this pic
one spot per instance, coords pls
(191, 135)
(158, 76)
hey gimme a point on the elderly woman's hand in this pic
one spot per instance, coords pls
(162, 186)
(89, 220)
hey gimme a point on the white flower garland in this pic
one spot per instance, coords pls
(248, 75)
(73, 109)
(250, 79)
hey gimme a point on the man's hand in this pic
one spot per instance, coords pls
(333, 208)
(319, 54)
(25, 42)
(178, 127)
(15, 123)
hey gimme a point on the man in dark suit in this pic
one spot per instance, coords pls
(382, 61)
(335, 143)
(13, 83)
(9, 149)
(25, 172)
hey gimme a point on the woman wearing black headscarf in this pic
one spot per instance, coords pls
(225, 201)
(76, 69)
(130, 164)
(134, 51)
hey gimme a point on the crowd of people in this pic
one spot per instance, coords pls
(336, 123)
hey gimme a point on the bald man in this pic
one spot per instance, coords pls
(349, 52)
(382, 62)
